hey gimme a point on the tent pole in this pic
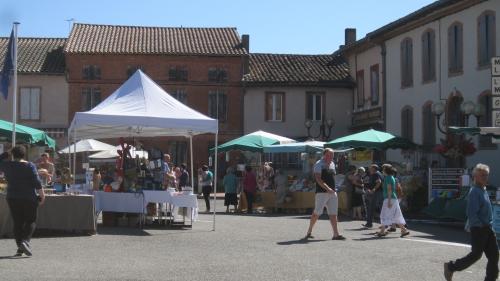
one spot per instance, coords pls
(74, 156)
(69, 151)
(215, 177)
(191, 152)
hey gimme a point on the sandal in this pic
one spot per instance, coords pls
(405, 234)
(338, 237)
(308, 236)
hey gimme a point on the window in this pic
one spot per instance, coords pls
(132, 69)
(178, 73)
(428, 127)
(90, 98)
(486, 120)
(360, 87)
(180, 95)
(374, 84)
(406, 63)
(407, 123)
(217, 75)
(429, 56)
(91, 72)
(178, 152)
(486, 37)
(455, 48)
(29, 104)
(213, 96)
(275, 104)
(315, 106)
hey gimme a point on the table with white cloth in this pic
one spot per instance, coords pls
(174, 201)
(120, 202)
(59, 212)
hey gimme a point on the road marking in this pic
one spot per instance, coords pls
(438, 242)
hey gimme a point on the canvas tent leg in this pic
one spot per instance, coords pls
(74, 156)
(215, 177)
(191, 152)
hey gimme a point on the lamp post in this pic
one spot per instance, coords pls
(325, 128)
(467, 108)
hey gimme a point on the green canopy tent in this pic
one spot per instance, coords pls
(26, 134)
(253, 142)
(483, 131)
(371, 139)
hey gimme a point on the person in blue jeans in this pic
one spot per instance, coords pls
(479, 223)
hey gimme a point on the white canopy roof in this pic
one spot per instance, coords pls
(113, 153)
(140, 108)
(87, 145)
(281, 139)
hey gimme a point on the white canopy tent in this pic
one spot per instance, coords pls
(113, 153)
(87, 145)
(141, 108)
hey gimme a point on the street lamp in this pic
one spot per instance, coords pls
(467, 108)
(323, 133)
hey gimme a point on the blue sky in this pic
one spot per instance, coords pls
(274, 26)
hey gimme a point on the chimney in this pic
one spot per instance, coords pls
(245, 42)
(350, 36)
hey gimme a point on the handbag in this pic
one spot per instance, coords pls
(359, 190)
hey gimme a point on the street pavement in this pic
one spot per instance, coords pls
(243, 247)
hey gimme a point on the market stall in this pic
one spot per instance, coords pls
(140, 108)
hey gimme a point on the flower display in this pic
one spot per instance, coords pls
(455, 147)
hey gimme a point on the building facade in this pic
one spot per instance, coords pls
(202, 67)
(440, 55)
(42, 90)
(284, 91)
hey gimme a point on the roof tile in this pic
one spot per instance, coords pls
(115, 39)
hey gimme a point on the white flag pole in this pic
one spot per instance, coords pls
(14, 88)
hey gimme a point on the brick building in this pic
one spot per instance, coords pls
(195, 65)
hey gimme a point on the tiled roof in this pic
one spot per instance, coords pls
(297, 70)
(113, 39)
(36, 55)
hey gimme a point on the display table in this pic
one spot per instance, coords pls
(120, 202)
(175, 199)
(300, 200)
(59, 212)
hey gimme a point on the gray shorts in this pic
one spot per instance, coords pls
(328, 200)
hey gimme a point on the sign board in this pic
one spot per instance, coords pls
(495, 86)
(495, 66)
(495, 121)
(495, 102)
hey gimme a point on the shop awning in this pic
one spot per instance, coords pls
(254, 142)
(371, 139)
(26, 134)
(483, 131)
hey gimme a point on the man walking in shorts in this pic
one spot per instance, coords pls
(326, 196)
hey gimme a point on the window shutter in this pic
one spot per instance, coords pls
(24, 103)
(96, 97)
(425, 56)
(269, 106)
(402, 64)
(433, 55)
(410, 63)
(482, 40)
(309, 107)
(490, 23)
(451, 49)
(35, 104)
(97, 72)
(460, 46)
(319, 107)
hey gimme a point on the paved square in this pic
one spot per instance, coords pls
(242, 248)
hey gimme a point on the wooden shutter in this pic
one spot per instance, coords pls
(425, 56)
(481, 33)
(490, 23)
(410, 62)
(309, 106)
(432, 56)
(24, 104)
(269, 106)
(35, 104)
(460, 46)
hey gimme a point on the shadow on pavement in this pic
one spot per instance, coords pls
(439, 232)
(102, 230)
(12, 257)
(299, 241)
